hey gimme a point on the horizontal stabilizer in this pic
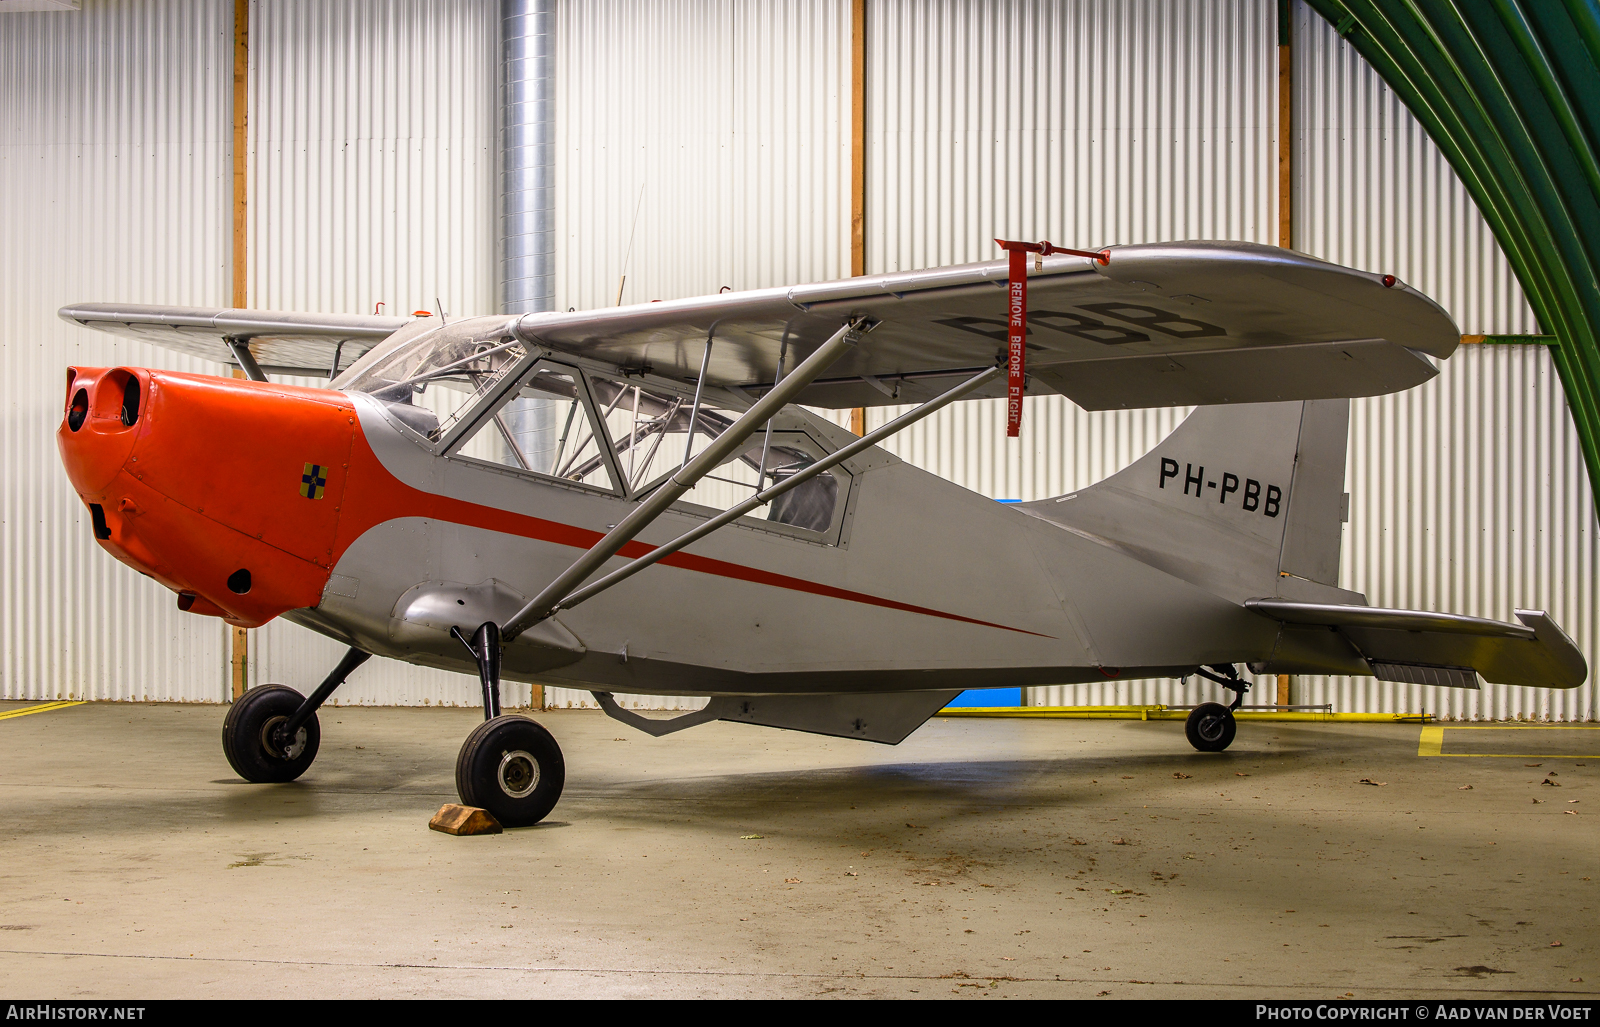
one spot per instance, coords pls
(1444, 648)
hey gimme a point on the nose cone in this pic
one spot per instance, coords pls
(227, 492)
(96, 437)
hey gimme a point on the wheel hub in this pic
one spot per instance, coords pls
(274, 746)
(1210, 728)
(518, 774)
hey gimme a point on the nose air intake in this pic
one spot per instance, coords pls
(78, 410)
(130, 402)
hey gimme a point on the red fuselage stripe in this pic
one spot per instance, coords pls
(459, 511)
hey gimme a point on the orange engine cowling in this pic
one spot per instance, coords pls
(228, 492)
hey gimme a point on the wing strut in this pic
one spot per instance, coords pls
(240, 348)
(733, 513)
(723, 446)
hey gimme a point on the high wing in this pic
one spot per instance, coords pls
(1157, 325)
(1444, 648)
(281, 342)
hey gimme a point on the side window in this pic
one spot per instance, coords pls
(652, 436)
(812, 504)
(546, 428)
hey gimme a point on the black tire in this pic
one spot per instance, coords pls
(512, 767)
(1210, 727)
(244, 735)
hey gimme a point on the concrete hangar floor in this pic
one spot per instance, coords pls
(980, 858)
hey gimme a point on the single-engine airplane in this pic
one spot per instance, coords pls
(633, 499)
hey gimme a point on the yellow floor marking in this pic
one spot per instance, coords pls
(1523, 727)
(1432, 740)
(41, 708)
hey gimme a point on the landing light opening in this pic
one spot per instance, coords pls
(239, 581)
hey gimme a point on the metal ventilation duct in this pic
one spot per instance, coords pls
(527, 155)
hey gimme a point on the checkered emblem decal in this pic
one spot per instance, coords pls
(314, 481)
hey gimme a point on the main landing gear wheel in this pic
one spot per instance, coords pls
(249, 736)
(1210, 727)
(513, 768)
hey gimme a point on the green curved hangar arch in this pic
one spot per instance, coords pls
(1510, 91)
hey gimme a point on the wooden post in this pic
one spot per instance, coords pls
(1283, 690)
(858, 162)
(240, 663)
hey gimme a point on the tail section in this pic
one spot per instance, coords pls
(1244, 500)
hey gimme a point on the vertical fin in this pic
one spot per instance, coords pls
(1236, 497)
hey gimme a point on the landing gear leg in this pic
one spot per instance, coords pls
(271, 733)
(509, 765)
(1211, 726)
(485, 648)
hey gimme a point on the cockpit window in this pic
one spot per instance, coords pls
(614, 434)
(544, 428)
(652, 436)
(431, 381)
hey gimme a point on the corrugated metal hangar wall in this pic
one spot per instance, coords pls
(707, 144)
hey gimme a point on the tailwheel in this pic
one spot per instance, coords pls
(253, 737)
(1210, 727)
(512, 767)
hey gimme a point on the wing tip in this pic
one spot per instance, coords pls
(1565, 652)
